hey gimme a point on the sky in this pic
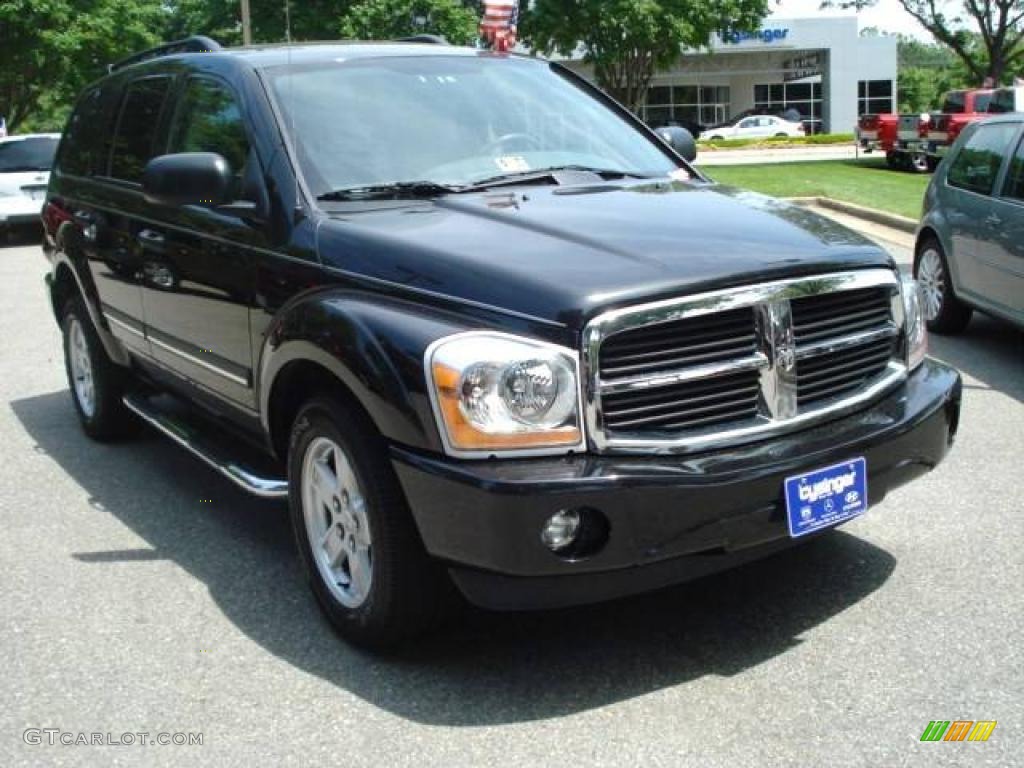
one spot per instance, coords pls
(887, 15)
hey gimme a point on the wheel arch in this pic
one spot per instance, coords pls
(365, 349)
(66, 280)
(930, 230)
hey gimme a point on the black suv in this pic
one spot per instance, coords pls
(479, 325)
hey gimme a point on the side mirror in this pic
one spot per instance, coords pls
(680, 139)
(187, 178)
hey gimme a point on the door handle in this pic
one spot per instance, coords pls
(151, 239)
(993, 220)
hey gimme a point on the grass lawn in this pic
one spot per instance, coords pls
(865, 182)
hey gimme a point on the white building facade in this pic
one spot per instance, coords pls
(821, 67)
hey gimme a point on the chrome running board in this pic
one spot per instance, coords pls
(187, 433)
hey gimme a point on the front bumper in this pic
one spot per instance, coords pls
(670, 518)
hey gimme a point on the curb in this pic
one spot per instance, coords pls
(902, 223)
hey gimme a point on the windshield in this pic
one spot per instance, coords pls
(27, 154)
(451, 120)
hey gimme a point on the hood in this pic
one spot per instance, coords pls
(565, 253)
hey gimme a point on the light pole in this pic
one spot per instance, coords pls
(246, 24)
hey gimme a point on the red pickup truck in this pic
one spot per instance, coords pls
(917, 142)
(960, 109)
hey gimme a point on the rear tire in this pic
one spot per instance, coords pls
(918, 163)
(944, 312)
(96, 382)
(356, 536)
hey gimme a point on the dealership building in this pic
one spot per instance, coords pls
(821, 67)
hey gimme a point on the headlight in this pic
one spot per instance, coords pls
(496, 393)
(915, 330)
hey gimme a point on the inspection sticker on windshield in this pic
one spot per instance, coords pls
(825, 497)
(511, 163)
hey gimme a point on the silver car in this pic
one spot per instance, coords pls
(970, 243)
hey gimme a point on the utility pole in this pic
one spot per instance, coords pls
(246, 24)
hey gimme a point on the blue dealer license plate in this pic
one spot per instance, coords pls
(826, 497)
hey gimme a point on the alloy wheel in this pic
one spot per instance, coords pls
(81, 368)
(931, 275)
(334, 511)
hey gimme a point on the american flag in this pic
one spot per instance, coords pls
(498, 26)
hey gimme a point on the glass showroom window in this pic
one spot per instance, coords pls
(805, 98)
(704, 104)
(874, 97)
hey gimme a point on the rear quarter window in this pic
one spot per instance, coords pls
(135, 139)
(976, 166)
(82, 150)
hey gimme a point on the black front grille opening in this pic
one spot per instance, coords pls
(703, 340)
(830, 315)
(843, 372)
(690, 405)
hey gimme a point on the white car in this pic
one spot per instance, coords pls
(25, 163)
(755, 127)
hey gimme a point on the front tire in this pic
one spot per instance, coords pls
(944, 312)
(356, 536)
(96, 382)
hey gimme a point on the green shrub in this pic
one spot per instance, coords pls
(780, 141)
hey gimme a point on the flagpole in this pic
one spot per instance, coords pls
(246, 24)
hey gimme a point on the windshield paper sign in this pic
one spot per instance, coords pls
(826, 496)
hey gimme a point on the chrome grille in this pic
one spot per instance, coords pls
(697, 403)
(669, 346)
(836, 374)
(733, 365)
(838, 314)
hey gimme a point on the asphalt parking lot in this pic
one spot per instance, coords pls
(142, 593)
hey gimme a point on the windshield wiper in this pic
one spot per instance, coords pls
(398, 190)
(521, 177)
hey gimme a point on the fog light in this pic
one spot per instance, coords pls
(560, 530)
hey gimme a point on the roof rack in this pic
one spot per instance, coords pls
(428, 39)
(194, 44)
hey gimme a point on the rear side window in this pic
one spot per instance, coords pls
(977, 164)
(1015, 178)
(82, 149)
(208, 119)
(133, 144)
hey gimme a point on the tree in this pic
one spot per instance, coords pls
(627, 41)
(222, 19)
(927, 70)
(50, 48)
(390, 19)
(994, 51)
